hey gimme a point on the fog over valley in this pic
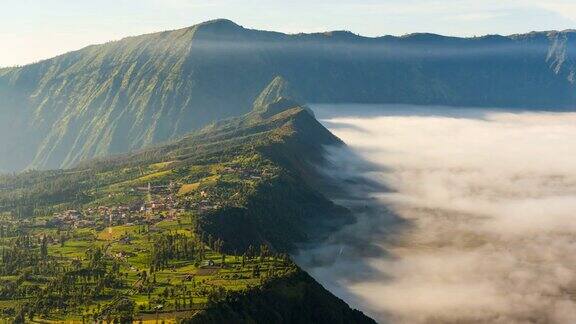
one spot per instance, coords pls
(463, 215)
(226, 167)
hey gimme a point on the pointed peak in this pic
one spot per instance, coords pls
(276, 89)
(277, 97)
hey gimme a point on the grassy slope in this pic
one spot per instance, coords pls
(292, 195)
(276, 210)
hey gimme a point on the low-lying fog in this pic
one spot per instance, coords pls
(477, 224)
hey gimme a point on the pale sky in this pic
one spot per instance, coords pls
(31, 30)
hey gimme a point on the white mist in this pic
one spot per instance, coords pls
(477, 224)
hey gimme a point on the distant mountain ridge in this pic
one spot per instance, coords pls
(128, 94)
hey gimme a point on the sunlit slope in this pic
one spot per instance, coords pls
(238, 186)
(209, 217)
(258, 169)
(127, 94)
(122, 95)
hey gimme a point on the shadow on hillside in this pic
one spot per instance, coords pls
(346, 256)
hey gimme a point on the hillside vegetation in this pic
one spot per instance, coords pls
(294, 299)
(125, 95)
(195, 230)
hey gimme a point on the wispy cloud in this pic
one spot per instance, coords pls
(564, 8)
(483, 16)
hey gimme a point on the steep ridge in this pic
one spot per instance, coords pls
(280, 212)
(302, 214)
(252, 171)
(128, 94)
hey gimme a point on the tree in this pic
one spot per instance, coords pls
(20, 317)
(44, 248)
(122, 308)
(62, 239)
(264, 251)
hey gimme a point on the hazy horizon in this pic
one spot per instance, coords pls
(411, 52)
(50, 28)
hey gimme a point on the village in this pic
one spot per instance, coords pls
(154, 203)
(138, 231)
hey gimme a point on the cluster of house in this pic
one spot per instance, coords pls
(117, 215)
(136, 213)
(73, 218)
(139, 213)
(205, 204)
(163, 203)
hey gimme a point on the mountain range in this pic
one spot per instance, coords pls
(129, 94)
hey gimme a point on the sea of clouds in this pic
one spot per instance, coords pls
(461, 218)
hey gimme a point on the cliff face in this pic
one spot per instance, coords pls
(127, 94)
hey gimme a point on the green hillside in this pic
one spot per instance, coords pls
(295, 299)
(128, 94)
(195, 230)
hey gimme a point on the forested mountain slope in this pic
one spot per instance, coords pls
(195, 229)
(273, 148)
(141, 90)
(296, 299)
